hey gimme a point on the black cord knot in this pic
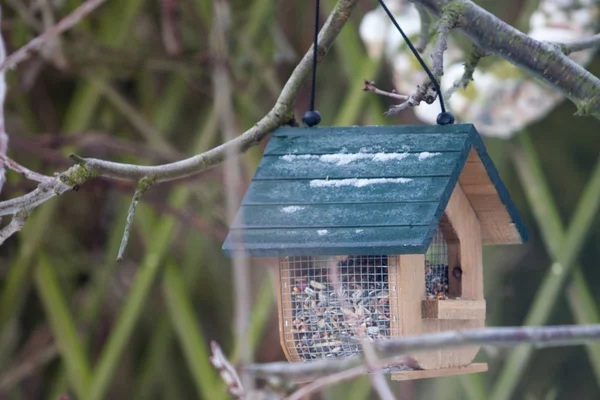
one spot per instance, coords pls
(311, 118)
(445, 118)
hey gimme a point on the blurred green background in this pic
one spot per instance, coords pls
(74, 322)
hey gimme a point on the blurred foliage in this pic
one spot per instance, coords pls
(74, 322)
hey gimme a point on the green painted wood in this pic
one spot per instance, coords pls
(364, 165)
(309, 191)
(369, 130)
(331, 241)
(348, 140)
(318, 192)
(323, 216)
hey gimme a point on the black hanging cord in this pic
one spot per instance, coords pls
(313, 117)
(445, 117)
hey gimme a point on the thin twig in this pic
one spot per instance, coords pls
(3, 134)
(16, 224)
(370, 87)
(63, 25)
(281, 114)
(476, 55)
(378, 381)
(169, 33)
(550, 65)
(23, 171)
(579, 45)
(547, 336)
(425, 35)
(342, 376)
(142, 187)
(441, 45)
(226, 371)
(25, 15)
(223, 98)
(53, 49)
(426, 91)
(27, 368)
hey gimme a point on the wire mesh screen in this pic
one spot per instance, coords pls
(436, 268)
(328, 301)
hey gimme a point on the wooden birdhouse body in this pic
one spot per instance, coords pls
(378, 233)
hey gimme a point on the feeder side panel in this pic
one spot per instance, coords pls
(285, 316)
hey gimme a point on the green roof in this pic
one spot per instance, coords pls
(368, 190)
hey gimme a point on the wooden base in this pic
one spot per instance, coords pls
(453, 309)
(436, 373)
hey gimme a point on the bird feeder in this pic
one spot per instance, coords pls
(377, 232)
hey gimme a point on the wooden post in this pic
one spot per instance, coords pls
(464, 221)
(466, 225)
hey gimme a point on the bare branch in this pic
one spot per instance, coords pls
(23, 171)
(46, 190)
(547, 336)
(16, 224)
(476, 55)
(223, 90)
(541, 59)
(226, 371)
(425, 92)
(25, 15)
(445, 25)
(579, 45)
(3, 134)
(282, 113)
(377, 379)
(346, 375)
(425, 35)
(63, 25)
(27, 367)
(142, 187)
(169, 33)
(370, 87)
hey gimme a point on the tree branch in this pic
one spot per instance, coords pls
(583, 44)
(280, 114)
(3, 134)
(426, 92)
(226, 371)
(63, 25)
(424, 35)
(476, 55)
(541, 59)
(378, 381)
(143, 185)
(16, 224)
(547, 336)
